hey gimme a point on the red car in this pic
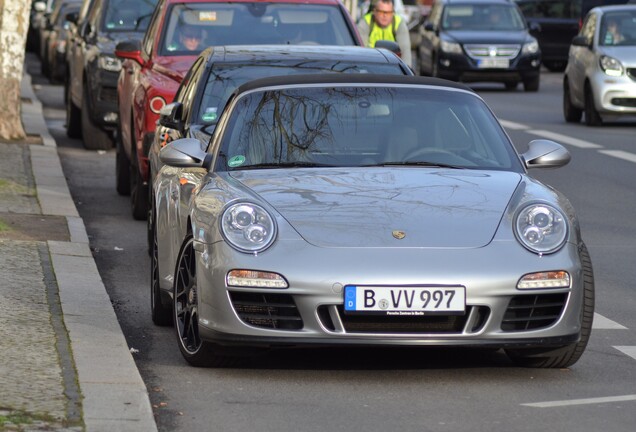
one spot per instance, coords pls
(178, 31)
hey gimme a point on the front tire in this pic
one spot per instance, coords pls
(186, 295)
(531, 84)
(122, 166)
(566, 356)
(73, 116)
(138, 188)
(94, 138)
(161, 315)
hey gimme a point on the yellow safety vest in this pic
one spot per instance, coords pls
(377, 33)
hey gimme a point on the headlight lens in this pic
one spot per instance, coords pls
(248, 227)
(451, 47)
(530, 47)
(112, 64)
(541, 228)
(611, 66)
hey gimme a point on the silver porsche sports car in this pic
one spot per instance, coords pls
(367, 210)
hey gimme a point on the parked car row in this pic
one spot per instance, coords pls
(290, 177)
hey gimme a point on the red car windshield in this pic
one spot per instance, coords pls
(195, 26)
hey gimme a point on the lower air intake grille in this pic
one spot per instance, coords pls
(402, 324)
(531, 312)
(272, 311)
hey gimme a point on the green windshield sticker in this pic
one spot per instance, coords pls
(210, 114)
(236, 161)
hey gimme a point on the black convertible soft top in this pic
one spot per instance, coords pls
(348, 79)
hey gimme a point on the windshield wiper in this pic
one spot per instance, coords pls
(419, 163)
(297, 164)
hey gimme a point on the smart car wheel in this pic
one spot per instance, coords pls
(592, 117)
(570, 112)
(568, 355)
(161, 315)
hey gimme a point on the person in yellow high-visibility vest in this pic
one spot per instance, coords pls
(382, 23)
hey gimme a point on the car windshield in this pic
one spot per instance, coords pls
(482, 17)
(223, 81)
(195, 26)
(128, 15)
(357, 126)
(618, 28)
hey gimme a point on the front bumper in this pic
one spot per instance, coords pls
(310, 312)
(615, 95)
(460, 67)
(102, 90)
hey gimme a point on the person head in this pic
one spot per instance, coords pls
(190, 37)
(612, 25)
(383, 12)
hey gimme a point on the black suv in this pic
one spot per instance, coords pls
(93, 70)
(554, 23)
(479, 40)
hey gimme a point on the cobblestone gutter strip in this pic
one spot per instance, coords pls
(28, 359)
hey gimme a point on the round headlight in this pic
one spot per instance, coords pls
(248, 227)
(541, 228)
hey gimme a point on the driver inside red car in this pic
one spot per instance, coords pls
(191, 37)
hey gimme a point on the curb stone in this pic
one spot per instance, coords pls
(115, 397)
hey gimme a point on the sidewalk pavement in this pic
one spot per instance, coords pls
(64, 362)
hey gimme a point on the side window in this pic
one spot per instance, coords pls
(185, 93)
(589, 27)
(151, 33)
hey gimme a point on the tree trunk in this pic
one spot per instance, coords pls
(14, 23)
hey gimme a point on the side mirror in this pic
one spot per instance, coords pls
(545, 154)
(185, 153)
(534, 27)
(429, 26)
(130, 49)
(580, 41)
(170, 116)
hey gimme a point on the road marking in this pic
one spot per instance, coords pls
(512, 125)
(630, 157)
(564, 139)
(629, 350)
(602, 323)
(589, 401)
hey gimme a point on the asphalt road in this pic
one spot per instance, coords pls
(392, 389)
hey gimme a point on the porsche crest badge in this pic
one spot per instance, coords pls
(399, 234)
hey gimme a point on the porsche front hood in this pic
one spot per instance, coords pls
(360, 207)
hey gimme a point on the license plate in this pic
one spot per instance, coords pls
(493, 63)
(418, 300)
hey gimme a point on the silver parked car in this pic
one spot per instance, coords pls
(368, 210)
(600, 77)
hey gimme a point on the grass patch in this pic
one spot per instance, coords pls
(4, 227)
(11, 187)
(14, 420)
